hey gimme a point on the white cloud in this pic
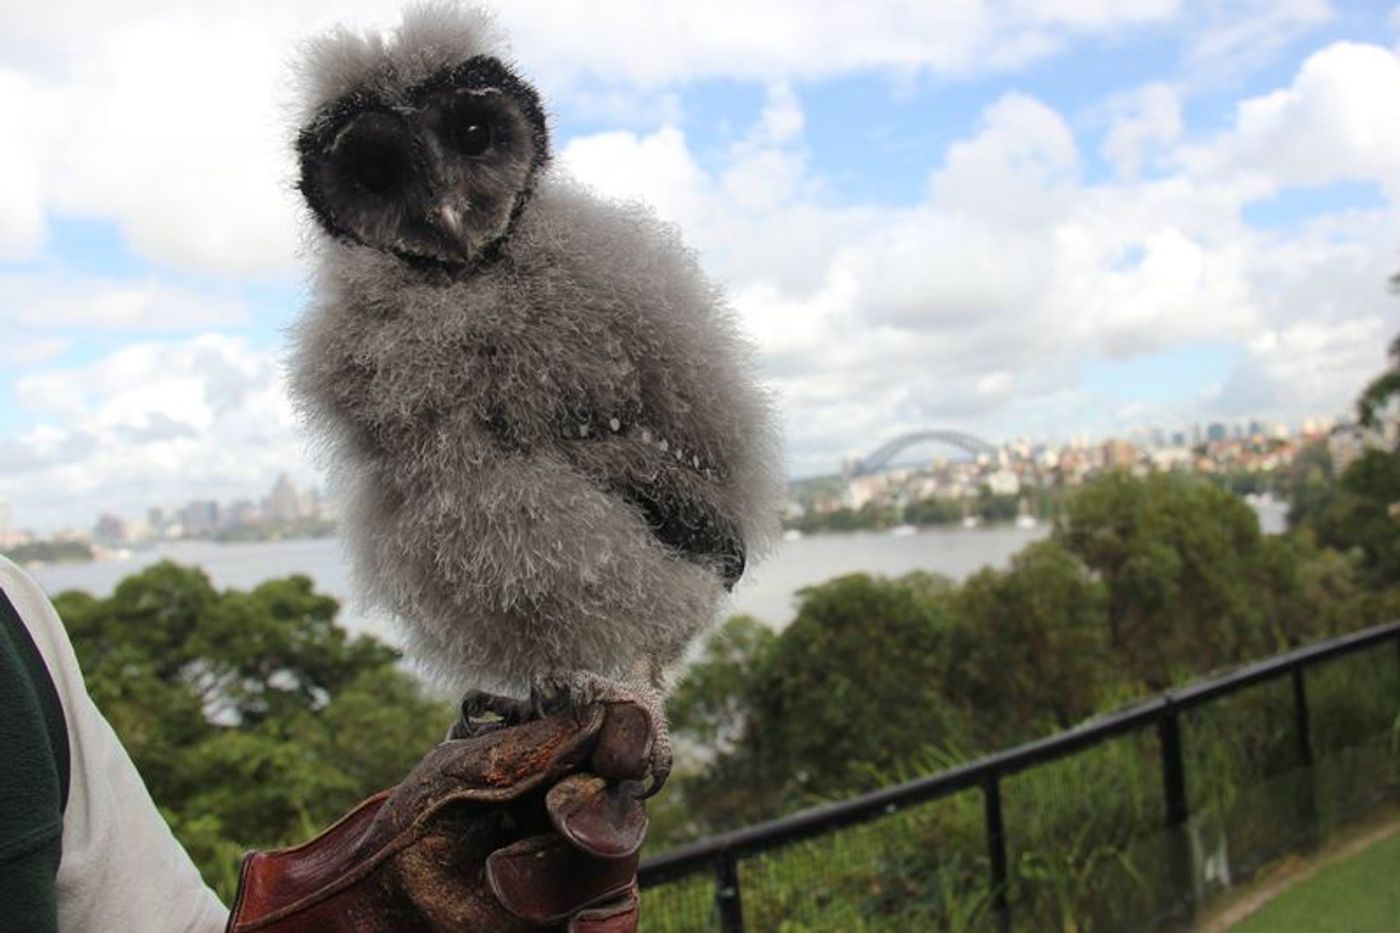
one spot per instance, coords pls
(1338, 119)
(1233, 37)
(1149, 118)
(56, 301)
(790, 39)
(21, 194)
(976, 307)
(24, 351)
(170, 120)
(980, 306)
(151, 424)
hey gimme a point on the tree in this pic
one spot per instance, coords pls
(1378, 393)
(852, 687)
(1031, 651)
(1309, 484)
(1182, 561)
(710, 704)
(253, 718)
(1359, 518)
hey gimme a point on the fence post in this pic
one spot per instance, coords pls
(1302, 724)
(1178, 808)
(996, 850)
(727, 900)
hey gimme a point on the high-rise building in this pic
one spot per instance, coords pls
(4, 524)
(200, 518)
(241, 514)
(282, 503)
(110, 529)
(1118, 454)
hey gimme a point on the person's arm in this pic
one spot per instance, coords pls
(528, 826)
(121, 867)
(33, 781)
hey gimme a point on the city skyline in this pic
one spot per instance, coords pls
(1006, 219)
(287, 500)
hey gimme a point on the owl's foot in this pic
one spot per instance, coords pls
(484, 712)
(572, 691)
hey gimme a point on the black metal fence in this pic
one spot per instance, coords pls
(1161, 804)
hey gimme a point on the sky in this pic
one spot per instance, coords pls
(1015, 219)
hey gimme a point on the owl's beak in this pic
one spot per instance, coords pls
(449, 218)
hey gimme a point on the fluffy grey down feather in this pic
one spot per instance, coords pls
(481, 424)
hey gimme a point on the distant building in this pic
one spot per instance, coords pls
(110, 529)
(200, 518)
(1172, 458)
(4, 524)
(1118, 455)
(1003, 483)
(282, 504)
(240, 515)
(865, 489)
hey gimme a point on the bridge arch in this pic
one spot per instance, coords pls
(878, 459)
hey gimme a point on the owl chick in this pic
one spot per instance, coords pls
(544, 424)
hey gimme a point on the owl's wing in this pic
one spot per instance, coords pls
(676, 496)
(689, 527)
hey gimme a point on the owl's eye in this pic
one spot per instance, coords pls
(470, 127)
(372, 153)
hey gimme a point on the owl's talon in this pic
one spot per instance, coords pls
(551, 694)
(660, 770)
(484, 712)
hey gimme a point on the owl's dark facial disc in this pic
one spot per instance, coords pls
(372, 155)
(439, 175)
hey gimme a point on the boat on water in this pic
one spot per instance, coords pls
(1026, 522)
(903, 531)
(972, 521)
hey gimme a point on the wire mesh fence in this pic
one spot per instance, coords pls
(1133, 820)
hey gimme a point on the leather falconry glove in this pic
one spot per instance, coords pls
(526, 828)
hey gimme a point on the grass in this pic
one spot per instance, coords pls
(1356, 896)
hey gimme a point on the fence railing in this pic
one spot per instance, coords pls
(721, 855)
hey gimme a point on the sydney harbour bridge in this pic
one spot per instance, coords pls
(882, 456)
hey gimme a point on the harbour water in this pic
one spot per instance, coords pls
(767, 591)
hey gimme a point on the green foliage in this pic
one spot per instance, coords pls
(1382, 390)
(1030, 653)
(49, 552)
(869, 517)
(1148, 582)
(253, 718)
(1309, 484)
(994, 508)
(711, 704)
(853, 682)
(1358, 516)
(934, 510)
(1183, 562)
